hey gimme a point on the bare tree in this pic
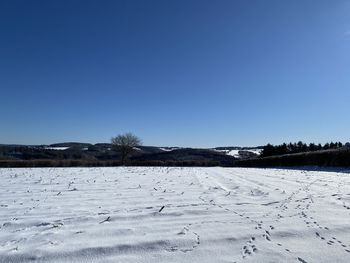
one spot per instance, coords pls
(125, 143)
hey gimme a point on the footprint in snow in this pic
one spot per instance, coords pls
(249, 248)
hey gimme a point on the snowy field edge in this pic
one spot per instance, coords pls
(172, 214)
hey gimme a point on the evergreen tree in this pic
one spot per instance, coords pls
(312, 147)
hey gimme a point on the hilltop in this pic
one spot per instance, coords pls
(142, 155)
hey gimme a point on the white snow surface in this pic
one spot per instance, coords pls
(256, 151)
(235, 153)
(169, 149)
(160, 214)
(57, 148)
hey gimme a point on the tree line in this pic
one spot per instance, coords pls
(299, 147)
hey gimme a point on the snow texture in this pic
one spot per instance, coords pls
(173, 215)
(235, 153)
(57, 148)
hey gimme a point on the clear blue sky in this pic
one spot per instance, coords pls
(187, 73)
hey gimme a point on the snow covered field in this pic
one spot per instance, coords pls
(173, 215)
(235, 153)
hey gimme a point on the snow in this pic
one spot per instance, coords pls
(166, 149)
(136, 148)
(235, 153)
(57, 148)
(160, 214)
(256, 151)
(169, 149)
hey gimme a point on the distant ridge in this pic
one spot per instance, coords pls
(100, 153)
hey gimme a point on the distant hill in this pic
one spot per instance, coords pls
(103, 152)
(71, 144)
(333, 157)
(188, 154)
